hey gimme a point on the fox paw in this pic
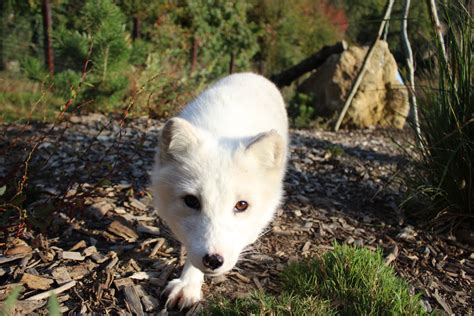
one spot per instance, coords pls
(182, 294)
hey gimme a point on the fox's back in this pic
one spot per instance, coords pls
(238, 107)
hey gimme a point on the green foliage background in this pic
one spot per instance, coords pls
(153, 65)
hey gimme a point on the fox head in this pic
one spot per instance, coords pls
(217, 195)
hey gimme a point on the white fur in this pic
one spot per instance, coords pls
(228, 145)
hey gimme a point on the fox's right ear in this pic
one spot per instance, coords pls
(177, 137)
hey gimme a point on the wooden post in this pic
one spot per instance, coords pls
(411, 70)
(363, 69)
(47, 26)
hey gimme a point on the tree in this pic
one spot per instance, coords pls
(227, 38)
(138, 10)
(293, 30)
(97, 35)
(47, 29)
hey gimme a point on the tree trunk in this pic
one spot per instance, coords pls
(3, 16)
(48, 48)
(137, 24)
(231, 63)
(289, 75)
(194, 53)
(411, 70)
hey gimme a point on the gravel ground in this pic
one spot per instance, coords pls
(105, 250)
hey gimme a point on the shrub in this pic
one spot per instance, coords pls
(22, 99)
(139, 53)
(223, 30)
(444, 181)
(100, 30)
(33, 68)
(301, 111)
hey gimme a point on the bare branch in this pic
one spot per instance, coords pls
(411, 70)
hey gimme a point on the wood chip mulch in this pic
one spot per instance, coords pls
(104, 251)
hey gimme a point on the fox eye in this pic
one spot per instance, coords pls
(240, 206)
(192, 201)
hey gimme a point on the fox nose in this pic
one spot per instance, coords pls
(212, 262)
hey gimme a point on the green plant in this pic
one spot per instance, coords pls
(22, 99)
(140, 51)
(301, 111)
(444, 184)
(33, 68)
(10, 301)
(53, 305)
(260, 303)
(97, 37)
(346, 280)
(222, 29)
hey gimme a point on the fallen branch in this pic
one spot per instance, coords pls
(56, 291)
(286, 77)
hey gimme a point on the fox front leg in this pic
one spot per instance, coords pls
(185, 291)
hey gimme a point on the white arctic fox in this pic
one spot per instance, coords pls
(218, 176)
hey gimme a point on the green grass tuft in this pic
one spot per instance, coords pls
(442, 185)
(9, 303)
(344, 281)
(260, 303)
(53, 305)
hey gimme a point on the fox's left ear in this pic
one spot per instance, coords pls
(268, 148)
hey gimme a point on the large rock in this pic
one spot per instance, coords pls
(381, 100)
